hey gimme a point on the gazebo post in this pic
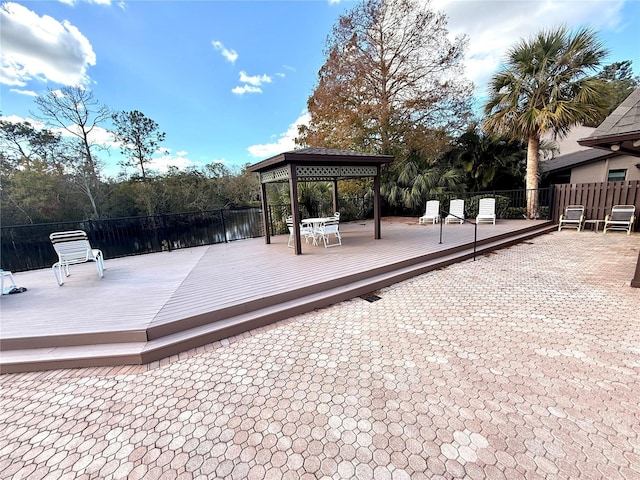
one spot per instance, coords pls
(376, 204)
(265, 212)
(295, 208)
(335, 195)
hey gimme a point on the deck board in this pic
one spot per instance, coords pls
(145, 291)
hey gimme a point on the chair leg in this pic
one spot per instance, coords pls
(100, 265)
(57, 272)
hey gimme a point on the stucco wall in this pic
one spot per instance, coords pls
(597, 172)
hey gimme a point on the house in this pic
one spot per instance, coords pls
(590, 166)
(610, 153)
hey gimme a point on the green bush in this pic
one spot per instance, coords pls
(471, 205)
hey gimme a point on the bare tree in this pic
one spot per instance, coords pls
(75, 110)
(139, 137)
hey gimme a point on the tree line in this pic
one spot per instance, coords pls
(55, 173)
(392, 83)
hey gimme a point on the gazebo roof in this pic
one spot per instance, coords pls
(320, 157)
(620, 131)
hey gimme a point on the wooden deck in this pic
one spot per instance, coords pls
(151, 306)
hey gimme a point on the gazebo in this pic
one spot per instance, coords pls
(315, 165)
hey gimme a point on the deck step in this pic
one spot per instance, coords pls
(176, 340)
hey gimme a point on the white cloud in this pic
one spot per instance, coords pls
(285, 143)
(242, 89)
(251, 83)
(230, 55)
(161, 164)
(97, 2)
(98, 136)
(165, 159)
(41, 48)
(256, 80)
(493, 26)
(37, 124)
(29, 93)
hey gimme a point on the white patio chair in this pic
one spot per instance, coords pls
(620, 218)
(73, 247)
(573, 217)
(306, 231)
(431, 213)
(456, 212)
(486, 211)
(328, 228)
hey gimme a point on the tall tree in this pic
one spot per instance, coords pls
(620, 84)
(22, 144)
(545, 86)
(391, 84)
(77, 112)
(32, 180)
(139, 138)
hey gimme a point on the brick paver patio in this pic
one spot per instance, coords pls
(523, 364)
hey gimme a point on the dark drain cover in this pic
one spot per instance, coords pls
(371, 298)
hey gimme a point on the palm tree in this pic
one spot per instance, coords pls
(488, 162)
(545, 86)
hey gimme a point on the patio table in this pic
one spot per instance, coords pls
(314, 224)
(595, 223)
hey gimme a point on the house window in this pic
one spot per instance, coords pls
(617, 175)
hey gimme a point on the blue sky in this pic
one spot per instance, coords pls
(228, 81)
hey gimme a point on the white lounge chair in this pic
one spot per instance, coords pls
(431, 213)
(486, 211)
(456, 212)
(73, 247)
(573, 217)
(326, 229)
(620, 218)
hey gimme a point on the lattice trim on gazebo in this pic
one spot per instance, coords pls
(319, 171)
(310, 173)
(276, 175)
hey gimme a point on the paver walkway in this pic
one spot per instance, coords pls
(523, 364)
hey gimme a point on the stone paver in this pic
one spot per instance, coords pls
(523, 364)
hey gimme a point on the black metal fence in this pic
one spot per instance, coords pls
(27, 247)
(510, 204)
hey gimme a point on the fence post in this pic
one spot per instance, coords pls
(165, 236)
